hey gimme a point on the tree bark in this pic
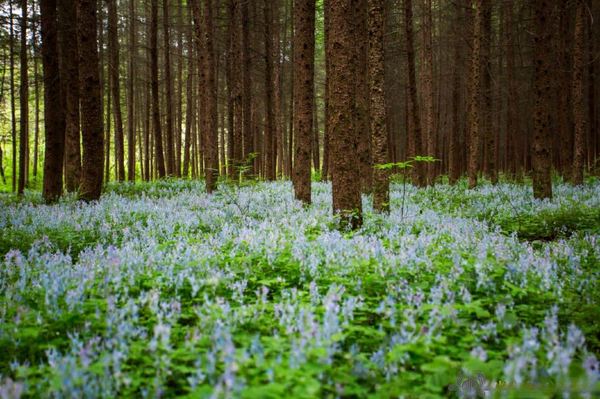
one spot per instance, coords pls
(362, 96)
(541, 143)
(304, 57)
(156, 125)
(270, 157)
(131, 141)
(91, 103)
(379, 136)
(24, 104)
(168, 92)
(475, 96)
(415, 139)
(429, 123)
(344, 138)
(578, 93)
(54, 119)
(114, 66)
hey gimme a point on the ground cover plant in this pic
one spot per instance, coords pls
(160, 290)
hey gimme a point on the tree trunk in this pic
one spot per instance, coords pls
(379, 136)
(578, 93)
(304, 63)
(91, 103)
(248, 140)
(168, 91)
(542, 129)
(269, 114)
(24, 103)
(344, 138)
(475, 96)
(54, 118)
(486, 66)
(429, 123)
(414, 135)
(131, 141)
(158, 147)
(210, 92)
(13, 112)
(362, 96)
(115, 88)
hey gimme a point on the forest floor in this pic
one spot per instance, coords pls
(161, 290)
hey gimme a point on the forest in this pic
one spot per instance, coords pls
(299, 198)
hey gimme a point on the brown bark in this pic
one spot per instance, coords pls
(486, 66)
(156, 125)
(91, 103)
(362, 96)
(24, 104)
(54, 120)
(379, 136)
(429, 122)
(414, 135)
(248, 135)
(344, 139)
(453, 141)
(541, 143)
(512, 118)
(131, 141)
(69, 75)
(13, 113)
(304, 51)
(475, 96)
(269, 89)
(578, 93)
(210, 92)
(168, 92)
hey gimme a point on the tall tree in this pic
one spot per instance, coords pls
(115, 88)
(343, 136)
(13, 113)
(578, 93)
(486, 67)
(475, 95)
(91, 103)
(379, 136)
(270, 155)
(541, 143)
(54, 119)
(246, 58)
(414, 135)
(156, 124)
(168, 92)
(69, 75)
(304, 63)
(131, 142)
(24, 103)
(428, 104)
(362, 96)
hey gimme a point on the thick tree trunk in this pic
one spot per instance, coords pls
(304, 53)
(486, 67)
(91, 103)
(379, 135)
(541, 143)
(13, 112)
(347, 202)
(54, 118)
(24, 104)
(210, 90)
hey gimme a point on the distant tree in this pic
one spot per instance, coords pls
(475, 95)
(578, 92)
(414, 134)
(24, 104)
(542, 129)
(91, 102)
(159, 157)
(168, 92)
